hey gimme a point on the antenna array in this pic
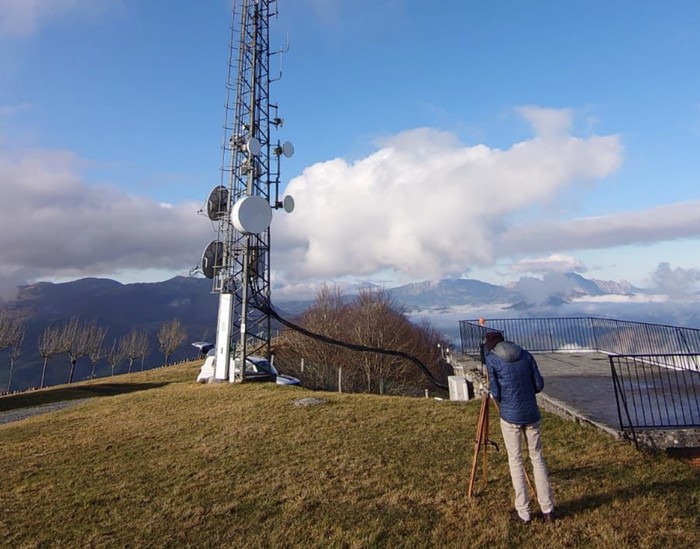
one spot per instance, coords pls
(238, 261)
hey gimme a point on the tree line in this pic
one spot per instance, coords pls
(371, 319)
(85, 339)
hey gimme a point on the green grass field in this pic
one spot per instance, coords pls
(156, 460)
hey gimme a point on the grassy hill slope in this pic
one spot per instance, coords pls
(157, 460)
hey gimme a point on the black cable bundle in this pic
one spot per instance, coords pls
(267, 308)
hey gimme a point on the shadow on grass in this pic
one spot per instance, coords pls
(602, 497)
(62, 394)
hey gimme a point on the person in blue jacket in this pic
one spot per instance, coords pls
(514, 380)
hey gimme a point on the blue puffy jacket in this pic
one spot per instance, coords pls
(514, 379)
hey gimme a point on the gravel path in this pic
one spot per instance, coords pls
(23, 413)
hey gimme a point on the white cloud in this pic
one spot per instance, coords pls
(423, 206)
(26, 17)
(548, 123)
(53, 225)
(621, 298)
(676, 283)
(555, 262)
(426, 205)
(663, 223)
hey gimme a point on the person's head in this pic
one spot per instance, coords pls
(491, 339)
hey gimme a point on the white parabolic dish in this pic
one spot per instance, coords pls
(251, 214)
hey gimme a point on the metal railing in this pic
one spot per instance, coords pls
(657, 391)
(581, 334)
(655, 367)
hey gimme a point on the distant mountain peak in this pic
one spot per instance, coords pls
(612, 287)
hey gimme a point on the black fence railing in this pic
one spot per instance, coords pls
(580, 334)
(655, 368)
(657, 391)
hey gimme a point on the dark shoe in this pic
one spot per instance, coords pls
(549, 517)
(515, 517)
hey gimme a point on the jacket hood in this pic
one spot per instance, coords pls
(507, 351)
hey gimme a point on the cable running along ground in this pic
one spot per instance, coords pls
(266, 307)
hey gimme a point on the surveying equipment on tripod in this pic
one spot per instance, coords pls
(482, 441)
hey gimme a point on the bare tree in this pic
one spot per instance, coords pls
(16, 350)
(170, 336)
(48, 346)
(144, 347)
(133, 345)
(328, 317)
(7, 327)
(95, 338)
(114, 355)
(12, 330)
(4, 326)
(371, 320)
(74, 340)
(378, 322)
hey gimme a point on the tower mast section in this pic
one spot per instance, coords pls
(242, 273)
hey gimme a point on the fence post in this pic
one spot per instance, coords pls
(340, 379)
(302, 365)
(593, 333)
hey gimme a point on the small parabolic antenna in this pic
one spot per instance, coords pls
(288, 204)
(212, 258)
(287, 149)
(251, 214)
(253, 146)
(217, 203)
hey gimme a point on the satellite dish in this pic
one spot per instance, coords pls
(254, 146)
(217, 203)
(287, 149)
(288, 204)
(251, 214)
(212, 258)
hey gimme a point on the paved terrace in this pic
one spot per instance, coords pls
(579, 387)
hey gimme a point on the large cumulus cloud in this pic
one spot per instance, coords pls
(426, 205)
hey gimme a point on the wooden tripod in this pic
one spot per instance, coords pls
(481, 443)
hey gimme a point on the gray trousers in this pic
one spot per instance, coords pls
(512, 437)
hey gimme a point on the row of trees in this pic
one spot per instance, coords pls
(372, 319)
(12, 332)
(79, 338)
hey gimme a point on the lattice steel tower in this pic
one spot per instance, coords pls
(238, 261)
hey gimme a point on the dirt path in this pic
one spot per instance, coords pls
(23, 413)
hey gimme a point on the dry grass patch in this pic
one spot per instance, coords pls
(175, 463)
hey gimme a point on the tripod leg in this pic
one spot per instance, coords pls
(479, 440)
(485, 437)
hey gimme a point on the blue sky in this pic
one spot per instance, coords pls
(492, 140)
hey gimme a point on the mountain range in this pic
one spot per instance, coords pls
(146, 306)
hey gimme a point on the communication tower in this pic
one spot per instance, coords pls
(240, 207)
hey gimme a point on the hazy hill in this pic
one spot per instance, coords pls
(449, 292)
(119, 308)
